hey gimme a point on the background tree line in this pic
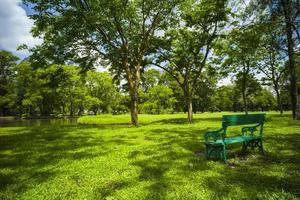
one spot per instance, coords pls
(64, 90)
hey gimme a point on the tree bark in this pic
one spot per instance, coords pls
(135, 96)
(279, 102)
(188, 98)
(133, 90)
(244, 93)
(292, 68)
(133, 85)
(190, 109)
(134, 109)
(71, 109)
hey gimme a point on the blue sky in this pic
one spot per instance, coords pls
(27, 9)
(15, 27)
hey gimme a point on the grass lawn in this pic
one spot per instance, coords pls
(161, 159)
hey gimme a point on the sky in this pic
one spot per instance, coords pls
(15, 27)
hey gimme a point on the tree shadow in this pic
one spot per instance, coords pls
(183, 120)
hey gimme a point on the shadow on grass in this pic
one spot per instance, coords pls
(184, 120)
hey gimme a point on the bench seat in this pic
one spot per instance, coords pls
(232, 140)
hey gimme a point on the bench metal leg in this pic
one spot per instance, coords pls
(244, 148)
(261, 147)
(224, 154)
(207, 152)
(216, 151)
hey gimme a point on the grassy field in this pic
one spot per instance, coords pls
(161, 159)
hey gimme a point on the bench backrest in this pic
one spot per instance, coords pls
(235, 120)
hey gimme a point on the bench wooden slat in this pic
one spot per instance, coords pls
(236, 120)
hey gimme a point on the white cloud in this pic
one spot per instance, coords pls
(15, 28)
(225, 81)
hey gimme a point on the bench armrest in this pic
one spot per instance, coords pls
(251, 129)
(214, 135)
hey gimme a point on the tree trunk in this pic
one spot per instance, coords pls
(190, 109)
(292, 68)
(244, 94)
(63, 109)
(134, 109)
(71, 109)
(95, 110)
(188, 98)
(133, 85)
(298, 109)
(279, 102)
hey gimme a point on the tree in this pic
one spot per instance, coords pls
(286, 11)
(272, 63)
(100, 85)
(63, 89)
(265, 100)
(92, 103)
(150, 79)
(223, 98)
(240, 56)
(186, 58)
(159, 100)
(7, 64)
(248, 93)
(204, 91)
(288, 15)
(118, 32)
(29, 90)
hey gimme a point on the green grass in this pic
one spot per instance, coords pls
(161, 159)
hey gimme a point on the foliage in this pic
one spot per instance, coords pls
(223, 98)
(159, 99)
(7, 63)
(100, 85)
(62, 90)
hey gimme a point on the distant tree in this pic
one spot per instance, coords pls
(100, 85)
(204, 90)
(248, 93)
(92, 103)
(63, 89)
(223, 98)
(265, 100)
(167, 80)
(7, 64)
(150, 78)
(159, 100)
(29, 90)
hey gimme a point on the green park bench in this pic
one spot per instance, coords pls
(251, 135)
